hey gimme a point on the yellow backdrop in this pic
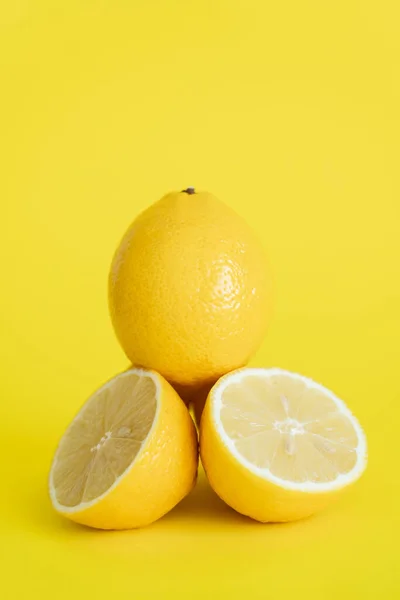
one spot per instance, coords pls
(289, 111)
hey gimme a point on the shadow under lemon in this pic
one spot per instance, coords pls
(196, 400)
(203, 504)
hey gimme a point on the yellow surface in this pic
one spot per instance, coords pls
(289, 112)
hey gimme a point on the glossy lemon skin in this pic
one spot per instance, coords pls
(189, 290)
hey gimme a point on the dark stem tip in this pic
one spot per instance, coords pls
(189, 190)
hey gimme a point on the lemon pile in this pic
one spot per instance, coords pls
(190, 300)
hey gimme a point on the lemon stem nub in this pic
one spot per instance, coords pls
(189, 190)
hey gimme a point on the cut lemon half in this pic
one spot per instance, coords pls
(277, 446)
(128, 457)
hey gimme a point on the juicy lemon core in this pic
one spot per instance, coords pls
(284, 443)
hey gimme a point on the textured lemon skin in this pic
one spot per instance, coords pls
(246, 492)
(189, 292)
(163, 473)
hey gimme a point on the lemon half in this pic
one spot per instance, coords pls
(128, 457)
(277, 446)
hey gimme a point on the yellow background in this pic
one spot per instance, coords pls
(289, 111)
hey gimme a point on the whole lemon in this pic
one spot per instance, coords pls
(189, 291)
